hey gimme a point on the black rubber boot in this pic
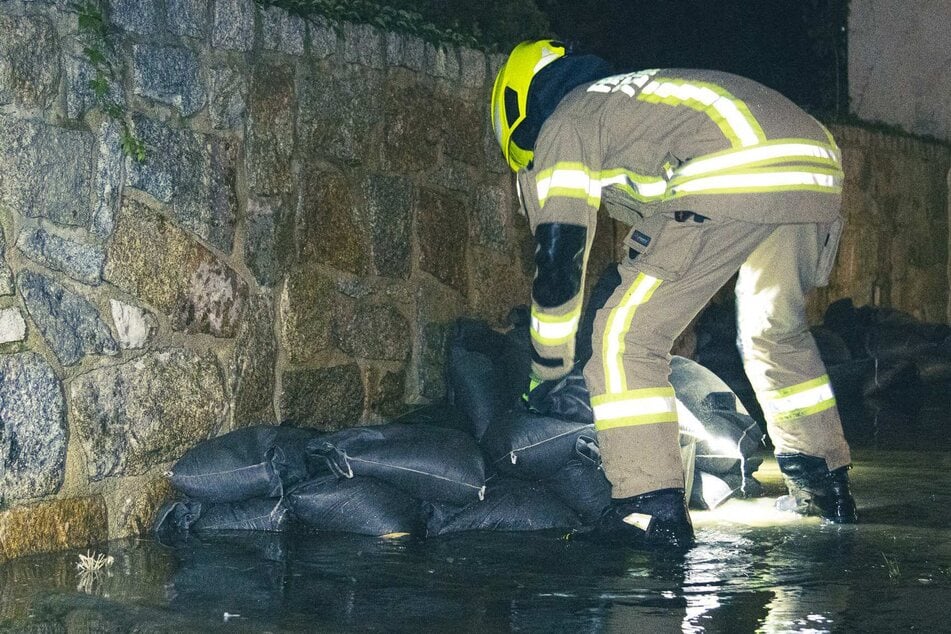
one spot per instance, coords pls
(816, 490)
(658, 519)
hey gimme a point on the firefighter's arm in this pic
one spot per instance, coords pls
(561, 195)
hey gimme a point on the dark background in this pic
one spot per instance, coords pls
(794, 46)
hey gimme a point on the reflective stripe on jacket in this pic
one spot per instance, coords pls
(671, 140)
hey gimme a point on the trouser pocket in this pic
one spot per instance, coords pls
(829, 236)
(665, 245)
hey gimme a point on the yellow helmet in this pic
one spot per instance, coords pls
(510, 94)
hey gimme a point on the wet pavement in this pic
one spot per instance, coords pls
(753, 569)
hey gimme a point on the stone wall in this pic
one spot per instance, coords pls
(894, 251)
(318, 203)
(900, 64)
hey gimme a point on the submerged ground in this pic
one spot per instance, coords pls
(753, 569)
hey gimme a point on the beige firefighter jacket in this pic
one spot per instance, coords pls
(659, 141)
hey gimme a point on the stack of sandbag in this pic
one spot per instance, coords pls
(382, 478)
(550, 440)
(885, 348)
(485, 459)
(870, 352)
(237, 481)
(367, 480)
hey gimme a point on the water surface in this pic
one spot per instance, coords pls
(753, 569)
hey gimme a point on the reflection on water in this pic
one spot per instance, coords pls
(752, 570)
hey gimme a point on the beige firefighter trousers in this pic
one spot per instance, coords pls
(664, 284)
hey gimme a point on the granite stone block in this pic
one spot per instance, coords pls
(71, 325)
(270, 130)
(323, 398)
(233, 26)
(187, 17)
(442, 231)
(157, 262)
(168, 74)
(137, 415)
(12, 325)
(372, 331)
(282, 31)
(227, 96)
(47, 171)
(33, 431)
(307, 304)
(29, 61)
(389, 219)
(135, 16)
(134, 325)
(252, 366)
(193, 172)
(82, 262)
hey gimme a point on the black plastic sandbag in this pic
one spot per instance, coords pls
(833, 349)
(438, 414)
(729, 438)
(893, 343)
(726, 434)
(429, 463)
(254, 462)
(184, 516)
(583, 487)
(476, 386)
(359, 505)
(693, 383)
(709, 491)
(526, 445)
(262, 514)
(934, 368)
(604, 287)
(899, 376)
(510, 505)
(176, 517)
(567, 398)
(509, 353)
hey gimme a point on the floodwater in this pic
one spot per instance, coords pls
(753, 568)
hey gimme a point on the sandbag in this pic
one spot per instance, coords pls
(567, 398)
(709, 491)
(438, 414)
(356, 505)
(184, 516)
(934, 368)
(476, 386)
(429, 463)
(899, 343)
(582, 486)
(693, 383)
(510, 505)
(509, 353)
(262, 514)
(253, 462)
(604, 287)
(729, 439)
(725, 434)
(176, 517)
(889, 377)
(526, 445)
(832, 347)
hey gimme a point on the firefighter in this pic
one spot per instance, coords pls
(714, 174)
